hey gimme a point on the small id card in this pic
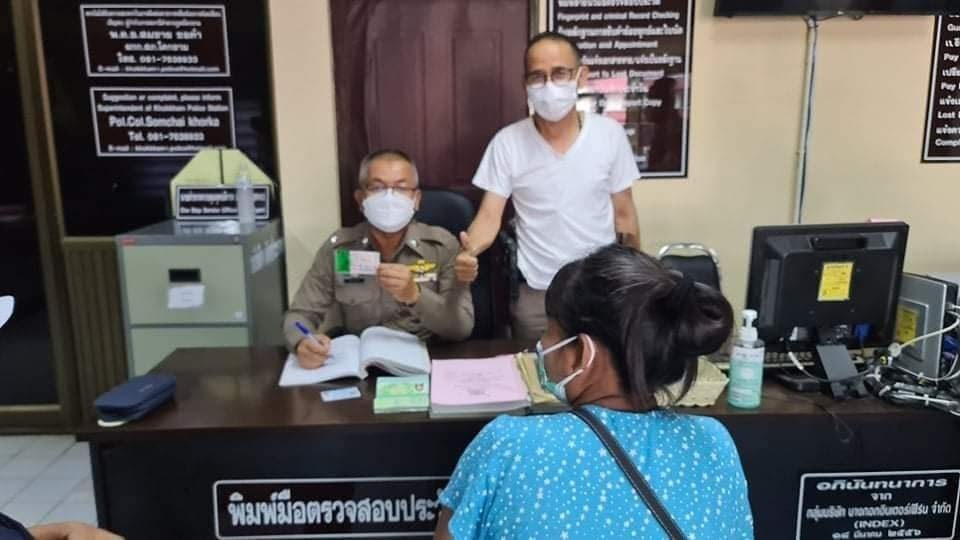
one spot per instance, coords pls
(356, 263)
(340, 394)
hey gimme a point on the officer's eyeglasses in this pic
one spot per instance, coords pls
(374, 189)
(559, 75)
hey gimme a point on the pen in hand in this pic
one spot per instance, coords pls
(311, 351)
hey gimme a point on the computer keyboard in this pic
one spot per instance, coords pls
(771, 360)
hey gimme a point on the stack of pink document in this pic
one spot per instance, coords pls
(477, 386)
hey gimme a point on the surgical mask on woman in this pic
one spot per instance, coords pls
(388, 211)
(559, 389)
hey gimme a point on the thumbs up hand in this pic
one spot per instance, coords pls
(466, 265)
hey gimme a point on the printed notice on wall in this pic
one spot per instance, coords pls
(639, 56)
(896, 504)
(942, 138)
(327, 507)
(155, 40)
(139, 121)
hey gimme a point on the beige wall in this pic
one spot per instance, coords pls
(746, 98)
(871, 107)
(745, 122)
(306, 129)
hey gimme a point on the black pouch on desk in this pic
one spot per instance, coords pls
(134, 399)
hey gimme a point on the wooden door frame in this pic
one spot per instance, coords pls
(45, 187)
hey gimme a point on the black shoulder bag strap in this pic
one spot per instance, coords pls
(644, 490)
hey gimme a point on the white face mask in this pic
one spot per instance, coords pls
(553, 101)
(388, 211)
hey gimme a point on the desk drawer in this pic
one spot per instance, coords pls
(147, 275)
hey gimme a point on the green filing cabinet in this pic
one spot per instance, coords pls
(239, 269)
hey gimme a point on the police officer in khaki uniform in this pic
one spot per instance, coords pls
(415, 288)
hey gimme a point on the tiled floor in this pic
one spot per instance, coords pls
(45, 479)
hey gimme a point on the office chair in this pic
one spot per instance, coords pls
(454, 212)
(695, 260)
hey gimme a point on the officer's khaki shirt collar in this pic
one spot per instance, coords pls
(412, 238)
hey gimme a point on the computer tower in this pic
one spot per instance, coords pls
(923, 309)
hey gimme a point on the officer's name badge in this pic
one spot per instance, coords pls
(424, 271)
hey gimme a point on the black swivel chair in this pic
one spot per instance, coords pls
(454, 212)
(695, 260)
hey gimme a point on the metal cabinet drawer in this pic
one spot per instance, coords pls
(147, 275)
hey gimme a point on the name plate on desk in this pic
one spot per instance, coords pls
(896, 504)
(327, 507)
(218, 202)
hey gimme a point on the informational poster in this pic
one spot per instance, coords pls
(140, 121)
(895, 504)
(327, 508)
(155, 40)
(639, 56)
(137, 87)
(942, 136)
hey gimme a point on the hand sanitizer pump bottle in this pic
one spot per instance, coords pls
(746, 366)
(246, 214)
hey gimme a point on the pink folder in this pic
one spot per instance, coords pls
(477, 385)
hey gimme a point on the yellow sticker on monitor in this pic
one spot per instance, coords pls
(907, 320)
(835, 279)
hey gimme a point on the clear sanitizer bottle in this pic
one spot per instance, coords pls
(746, 366)
(245, 209)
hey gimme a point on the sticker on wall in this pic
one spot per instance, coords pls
(942, 135)
(639, 55)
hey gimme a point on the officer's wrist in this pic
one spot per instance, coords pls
(414, 297)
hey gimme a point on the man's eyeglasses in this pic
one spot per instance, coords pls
(559, 75)
(375, 189)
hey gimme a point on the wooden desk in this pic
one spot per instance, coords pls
(230, 420)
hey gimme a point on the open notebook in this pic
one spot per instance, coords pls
(393, 351)
(477, 386)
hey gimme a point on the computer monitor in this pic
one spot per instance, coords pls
(827, 288)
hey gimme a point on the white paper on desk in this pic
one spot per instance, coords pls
(394, 351)
(364, 263)
(185, 296)
(344, 361)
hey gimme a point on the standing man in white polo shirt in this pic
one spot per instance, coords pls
(570, 176)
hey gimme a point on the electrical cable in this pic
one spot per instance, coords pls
(844, 432)
(796, 362)
(892, 388)
(806, 116)
(952, 373)
(948, 329)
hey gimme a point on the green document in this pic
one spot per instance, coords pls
(402, 394)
